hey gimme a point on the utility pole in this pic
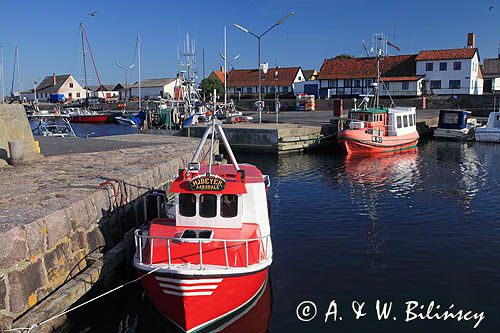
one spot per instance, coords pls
(84, 67)
(225, 67)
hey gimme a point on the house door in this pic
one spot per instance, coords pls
(488, 85)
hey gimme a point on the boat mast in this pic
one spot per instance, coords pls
(139, 68)
(84, 66)
(2, 74)
(377, 92)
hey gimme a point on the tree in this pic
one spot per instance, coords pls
(209, 84)
(344, 56)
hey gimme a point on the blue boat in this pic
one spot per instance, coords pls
(454, 124)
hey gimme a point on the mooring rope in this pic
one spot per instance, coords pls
(29, 329)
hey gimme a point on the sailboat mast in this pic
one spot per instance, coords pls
(2, 74)
(84, 66)
(139, 68)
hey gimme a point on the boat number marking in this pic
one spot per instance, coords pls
(377, 139)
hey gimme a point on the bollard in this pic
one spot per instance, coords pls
(16, 149)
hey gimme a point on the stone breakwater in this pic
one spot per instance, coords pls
(53, 215)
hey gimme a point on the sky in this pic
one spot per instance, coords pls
(48, 35)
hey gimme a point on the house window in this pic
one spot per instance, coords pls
(299, 78)
(284, 89)
(436, 84)
(70, 95)
(229, 205)
(262, 89)
(454, 84)
(187, 204)
(208, 205)
(238, 89)
(357, 83)
(429, 67)
(399, 122)
(348, 83)
(405, 85)
(77, 94)
(249, 90)
(443, 66)
(457, 65)
(71, 84)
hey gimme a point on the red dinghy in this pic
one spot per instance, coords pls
(209, 260)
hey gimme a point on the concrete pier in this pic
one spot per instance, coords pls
(266, 137)
(59, 228)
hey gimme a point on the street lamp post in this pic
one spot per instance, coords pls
(125, 69)
(227, 63)
(259, 37)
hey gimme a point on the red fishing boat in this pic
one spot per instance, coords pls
(379, 130)
(92, 118)
(209, 259)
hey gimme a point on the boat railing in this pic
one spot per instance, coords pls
(377, 130)
(145, 250)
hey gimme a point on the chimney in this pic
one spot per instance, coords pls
(54, 79)
(471, 40)
(222, 69)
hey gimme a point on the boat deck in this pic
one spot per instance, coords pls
(231, 248)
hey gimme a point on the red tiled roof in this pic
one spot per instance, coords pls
(360, 68)
(402, 78)
(249, 77)
(219, 75)
(447, 54)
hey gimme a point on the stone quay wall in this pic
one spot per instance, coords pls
(53, 215)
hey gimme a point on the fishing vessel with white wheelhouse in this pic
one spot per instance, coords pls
(376, 129)
(208, 259)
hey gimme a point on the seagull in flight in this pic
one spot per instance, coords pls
(94, 13)
(491, 7)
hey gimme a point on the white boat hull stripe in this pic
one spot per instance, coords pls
(181, 281)
(188, 293)
(171, 286)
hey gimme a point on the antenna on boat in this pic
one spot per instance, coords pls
(214, 128)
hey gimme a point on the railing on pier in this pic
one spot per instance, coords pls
(158, 250)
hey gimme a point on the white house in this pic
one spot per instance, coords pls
(452, 71)
(279, 79)
(65, 85)
(154, 87)
(103, 91)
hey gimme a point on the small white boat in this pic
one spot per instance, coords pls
(55, 125)
(490, 132)
(454, 124)
(125, 121)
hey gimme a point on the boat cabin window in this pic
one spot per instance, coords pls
(204, 234)
(411, 119)
(400, 123)
(405, 120)
(229, 205)
(208, 205)
(187, 204)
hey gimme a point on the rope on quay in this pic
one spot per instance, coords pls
(29, 329)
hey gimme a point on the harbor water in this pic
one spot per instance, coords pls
(419, 226)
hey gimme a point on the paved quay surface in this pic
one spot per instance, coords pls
(50, 146)
(71, 171)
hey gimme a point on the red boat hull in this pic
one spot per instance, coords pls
(354, 143)
(195, 303)
(97, 118)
